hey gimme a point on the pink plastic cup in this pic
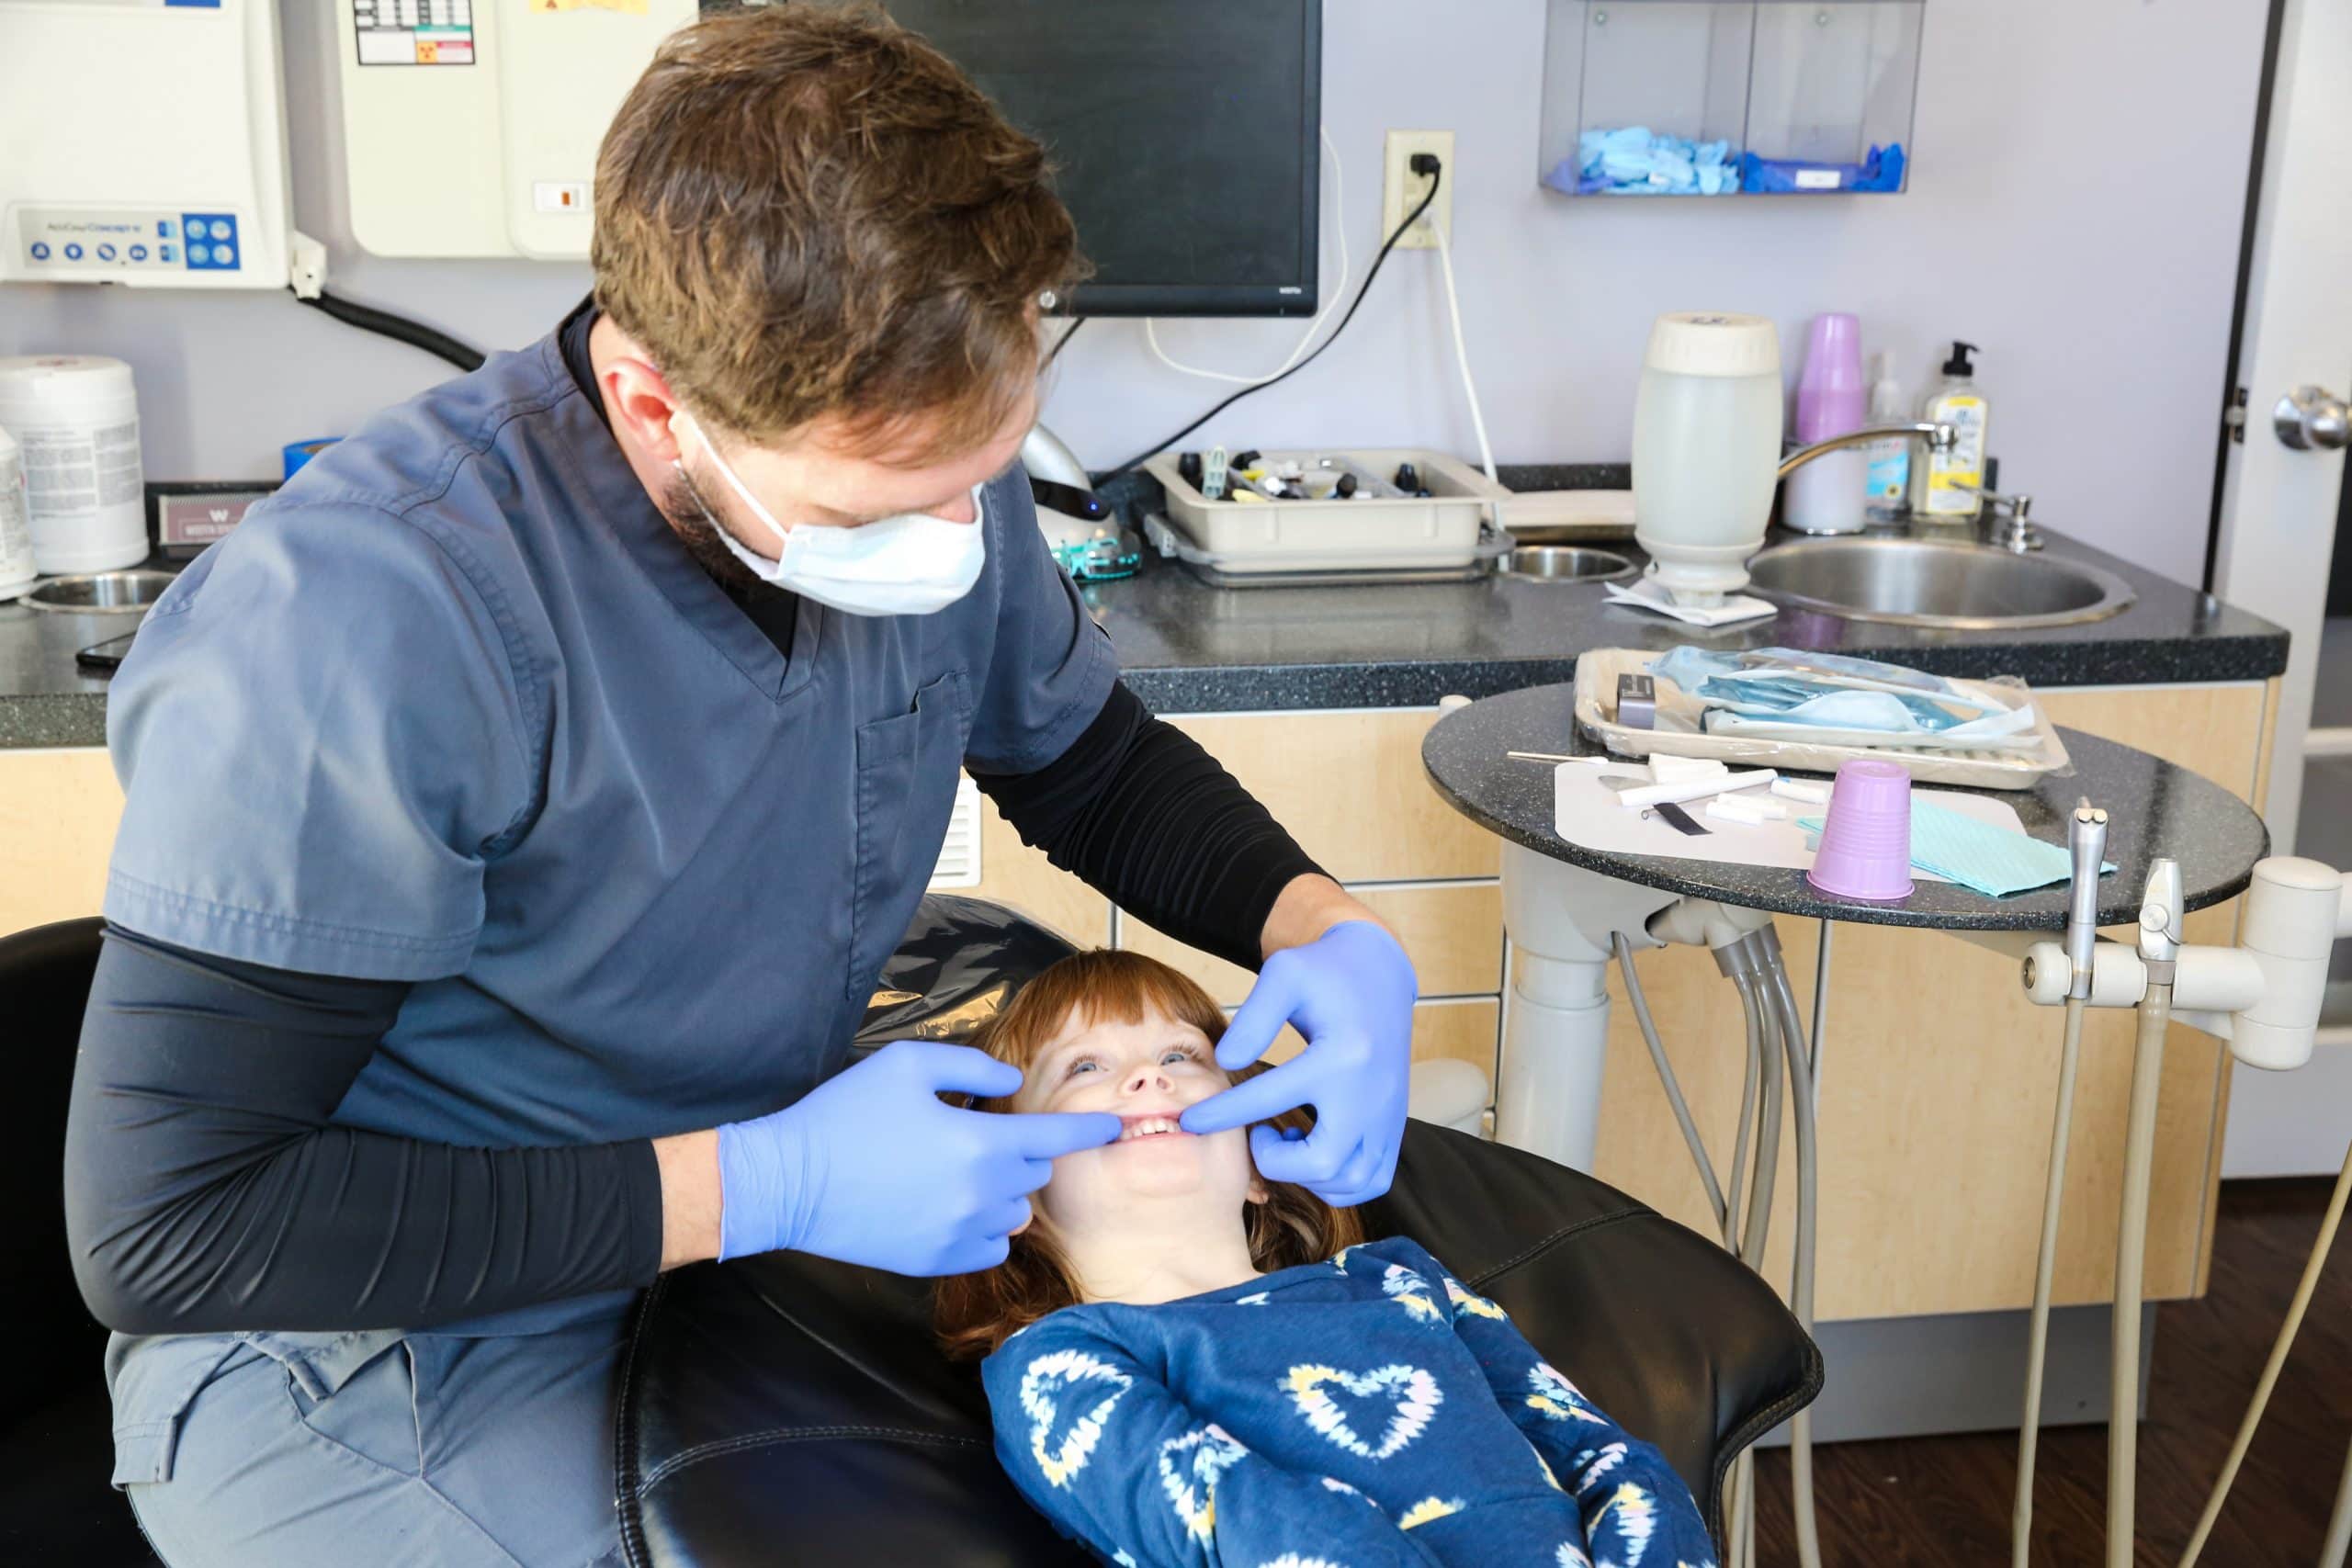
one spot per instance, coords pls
(1866, 835)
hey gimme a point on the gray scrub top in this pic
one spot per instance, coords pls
(455, 707)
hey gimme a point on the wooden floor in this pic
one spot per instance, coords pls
(1936, 1501)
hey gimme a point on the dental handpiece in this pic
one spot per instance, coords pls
(2086, 839)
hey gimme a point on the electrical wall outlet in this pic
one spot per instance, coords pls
(1401, 189)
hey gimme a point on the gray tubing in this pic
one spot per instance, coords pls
(1747, 1113)
(1768, 1147)
(2045, 1264)
(2339, 1524)
(2131, 1264)
(1803, 1104)
(1666, 1075)
(1820, 1010)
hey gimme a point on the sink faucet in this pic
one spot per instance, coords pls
(1937, 437)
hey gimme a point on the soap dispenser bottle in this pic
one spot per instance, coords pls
(1946, 484)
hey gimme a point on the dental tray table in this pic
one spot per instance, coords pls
(2039, 755)
(1379, 534)
(2154, 808)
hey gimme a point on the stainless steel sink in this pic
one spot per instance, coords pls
(1923, 582)
(1567, 563)
(105, 592)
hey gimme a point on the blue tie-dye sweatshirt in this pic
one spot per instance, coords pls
(1364, 1411)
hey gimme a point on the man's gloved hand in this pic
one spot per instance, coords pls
(871, 1167)
(1350, 993)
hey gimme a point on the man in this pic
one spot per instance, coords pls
(521, 806)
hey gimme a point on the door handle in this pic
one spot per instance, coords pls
(2313, 419)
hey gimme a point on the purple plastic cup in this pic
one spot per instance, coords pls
(1832, 396)
(1866, 834)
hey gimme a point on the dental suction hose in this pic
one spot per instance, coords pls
(1775, 976)
(2160, 921)
(2087, 843)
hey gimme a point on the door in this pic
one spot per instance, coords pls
(2282, 502)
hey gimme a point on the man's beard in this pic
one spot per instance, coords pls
(683, 511)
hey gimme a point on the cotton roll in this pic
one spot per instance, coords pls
(76, 421)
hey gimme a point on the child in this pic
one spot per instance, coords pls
(1188, 1364)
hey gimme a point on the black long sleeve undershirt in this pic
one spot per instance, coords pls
(1139, 810)
(207, 1188)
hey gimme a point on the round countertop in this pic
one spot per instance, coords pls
(2154, 808)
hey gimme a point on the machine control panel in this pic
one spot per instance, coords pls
(85, 243)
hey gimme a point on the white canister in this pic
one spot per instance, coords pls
(1706, 449)
(16, 569)
(76, 420)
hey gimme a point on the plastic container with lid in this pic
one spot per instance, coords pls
(1706, 449)
(76, 421)
(16, 569)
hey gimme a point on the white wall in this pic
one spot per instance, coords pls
(2075, 197)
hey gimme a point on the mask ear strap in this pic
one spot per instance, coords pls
(727, 472)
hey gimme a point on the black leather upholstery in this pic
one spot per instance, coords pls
(785, 1408)
(56, 1446)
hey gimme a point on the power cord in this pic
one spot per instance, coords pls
(1340, 224)
(1422, 164)
(1462, 351)
(416, 335)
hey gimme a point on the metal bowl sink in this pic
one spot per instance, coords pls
(1922, 582)
(1567, 563)
(100, 591)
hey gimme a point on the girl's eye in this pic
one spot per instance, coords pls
(1179, 1052)
(1081, 1064)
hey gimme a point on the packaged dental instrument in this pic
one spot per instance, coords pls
(1790, 709)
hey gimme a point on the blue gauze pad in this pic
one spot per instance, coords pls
(1989, 860)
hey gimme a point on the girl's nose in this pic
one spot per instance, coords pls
(1145, 1077)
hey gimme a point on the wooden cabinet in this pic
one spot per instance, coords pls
(57, 815)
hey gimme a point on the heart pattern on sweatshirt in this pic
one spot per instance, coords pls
(1097, 1387)
(1409, 1395)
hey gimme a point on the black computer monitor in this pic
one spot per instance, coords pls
(1184, 135)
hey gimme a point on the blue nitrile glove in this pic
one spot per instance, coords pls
(871, 1167)
(1350, 993)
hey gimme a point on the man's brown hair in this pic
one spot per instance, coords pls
(804, 211)
(973, 1314)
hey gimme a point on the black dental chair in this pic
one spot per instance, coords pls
(785, 1409)
(56, 1443)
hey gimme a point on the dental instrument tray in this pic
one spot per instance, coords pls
(2031, 752)
(1344, 515)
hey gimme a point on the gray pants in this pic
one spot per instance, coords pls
(372, 1448)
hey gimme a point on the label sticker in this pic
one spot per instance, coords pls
(71, 472)
(1816, 179)
(413, 32)
(200, 519)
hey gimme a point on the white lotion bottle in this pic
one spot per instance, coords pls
(1945, 486)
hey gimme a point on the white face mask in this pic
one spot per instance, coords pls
(912, 564)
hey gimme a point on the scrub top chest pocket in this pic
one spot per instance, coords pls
(907, 767)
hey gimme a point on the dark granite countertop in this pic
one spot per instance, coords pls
(2153, 807)
(1188, 647)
